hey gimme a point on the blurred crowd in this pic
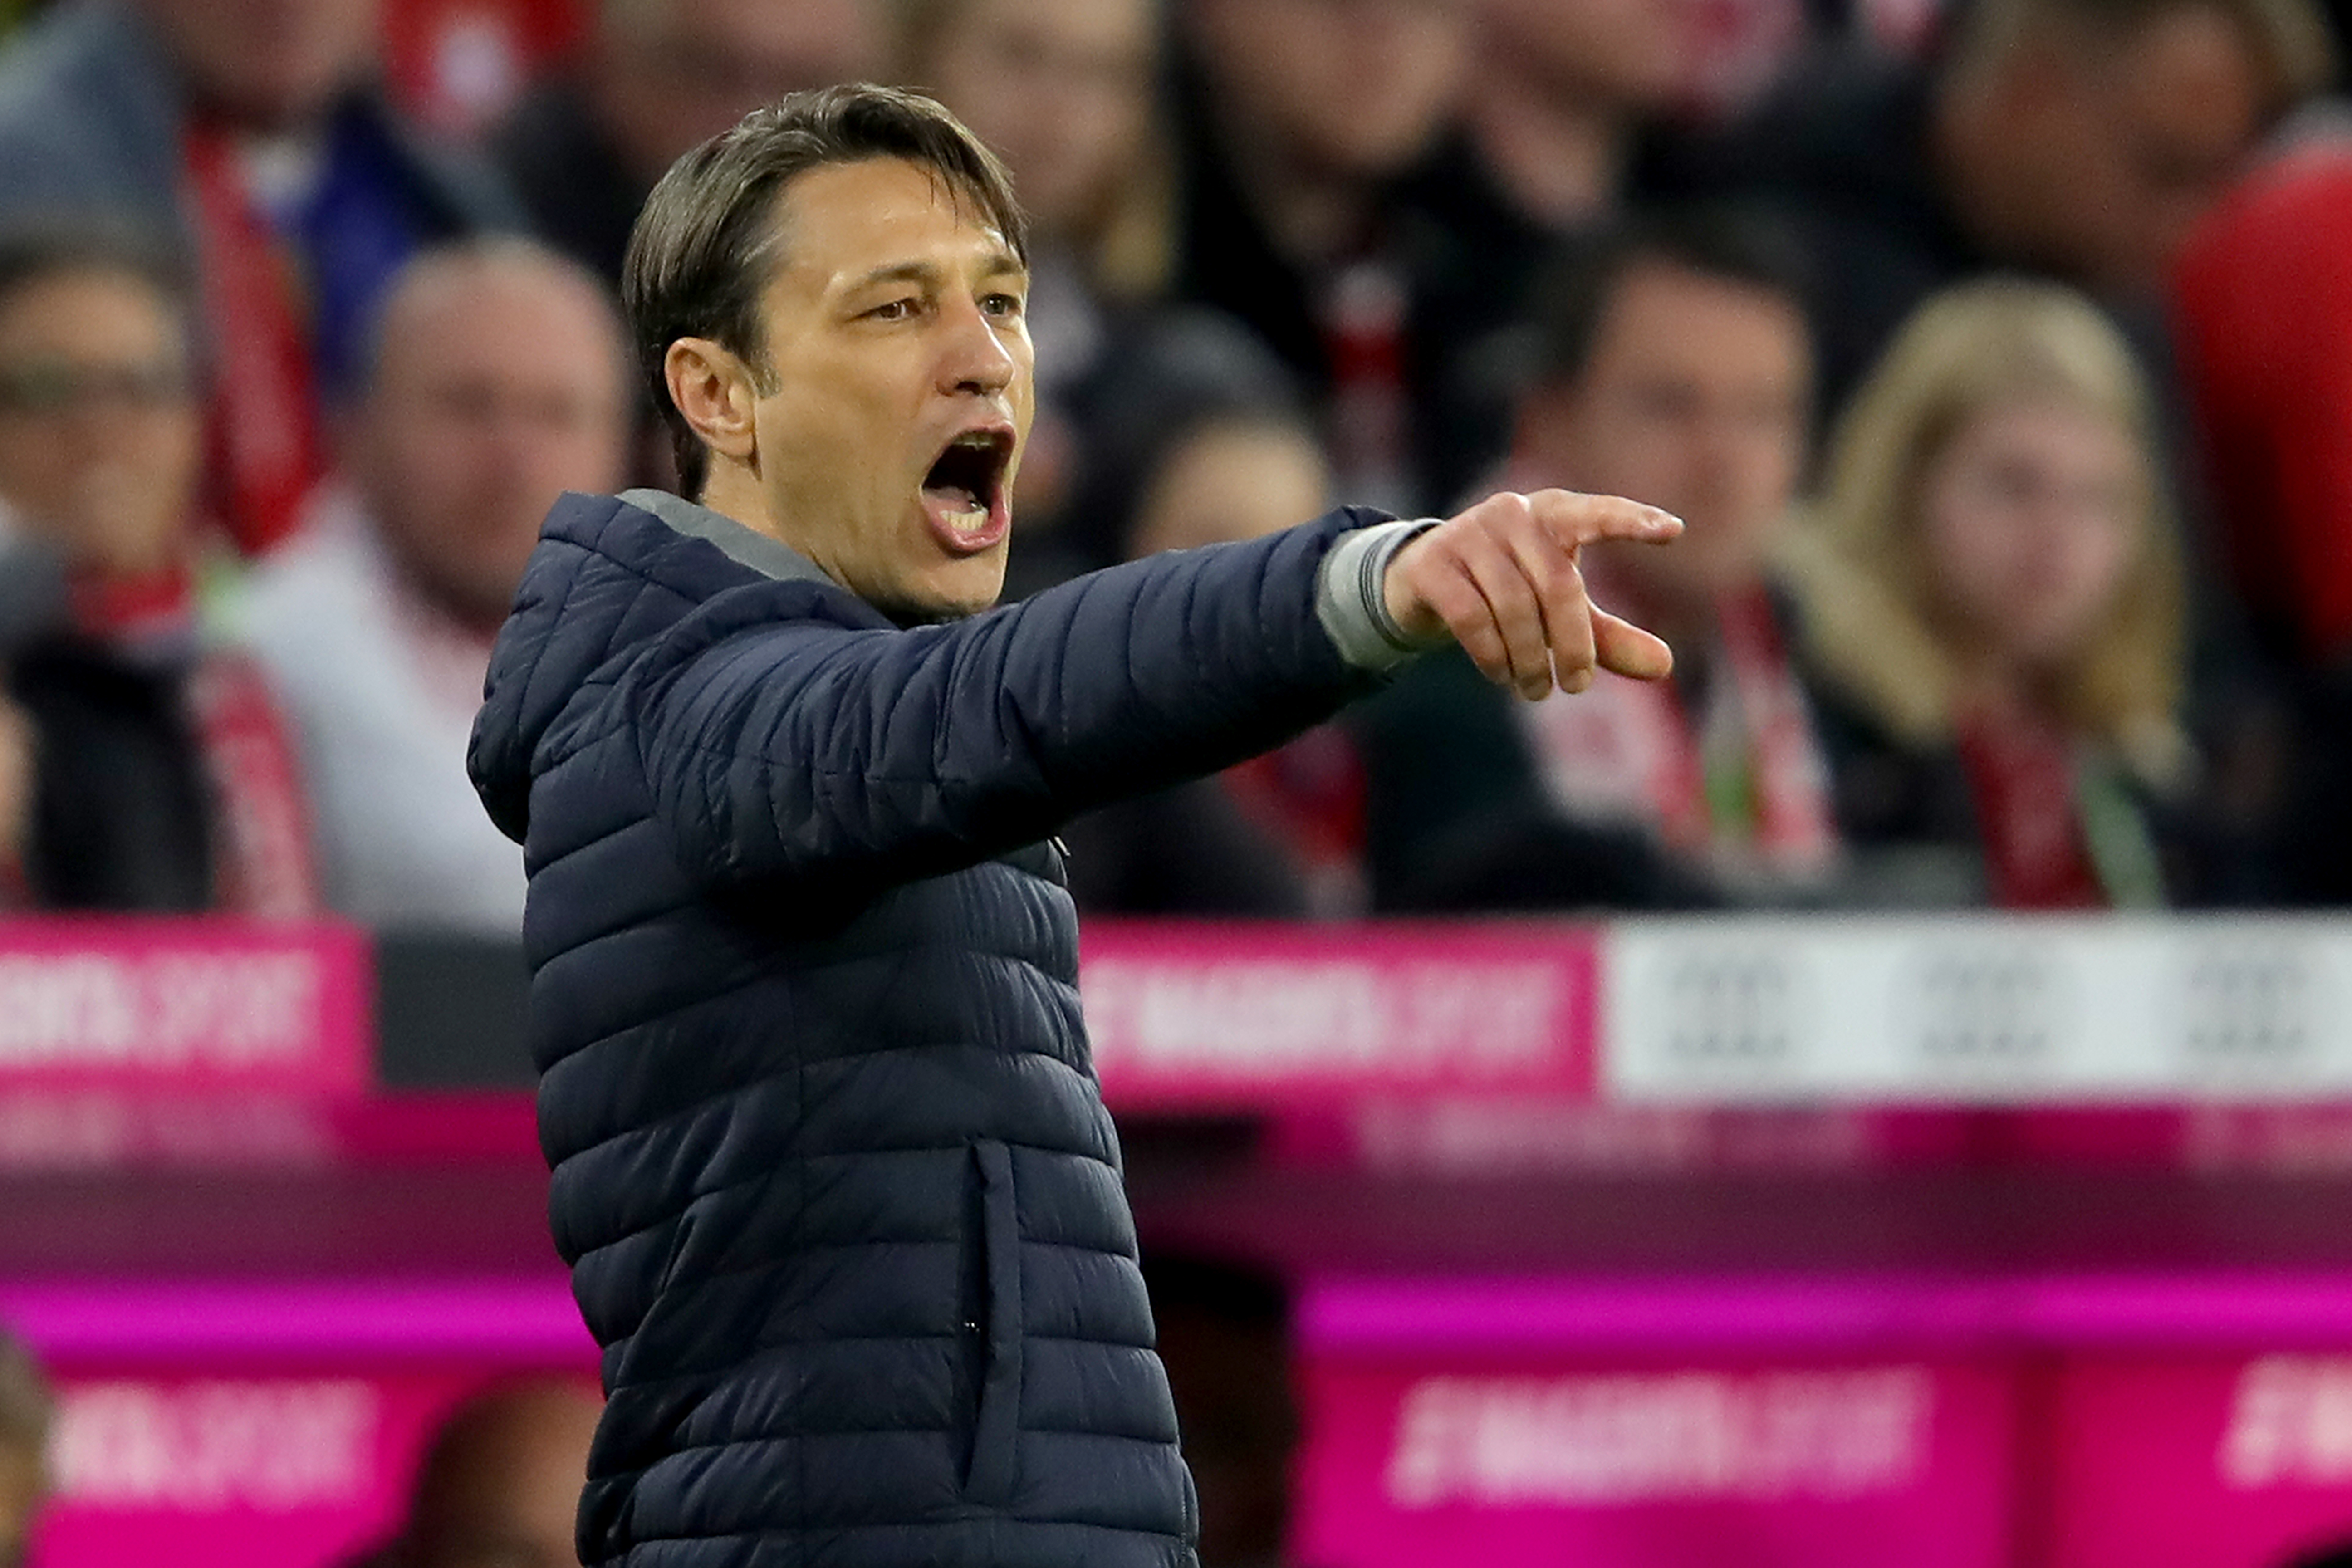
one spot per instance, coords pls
(1998, 354)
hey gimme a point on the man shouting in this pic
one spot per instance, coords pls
(840, 1197)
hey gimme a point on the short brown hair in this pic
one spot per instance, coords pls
(709, 240)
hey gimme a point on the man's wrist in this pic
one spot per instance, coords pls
(1351, 598)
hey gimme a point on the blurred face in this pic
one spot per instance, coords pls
(671, 74)
(1632, 52)
(1695, 400)
(498, 387)
(2029, 519)
(901, 369)
(1060, 89)
(1229, 483)
(101, 439)
(274, 62)
(1346, 88)
(2114, 156)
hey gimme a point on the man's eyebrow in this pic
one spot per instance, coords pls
(998, 263)
(899, 272)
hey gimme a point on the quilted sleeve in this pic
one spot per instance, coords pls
(777, 746)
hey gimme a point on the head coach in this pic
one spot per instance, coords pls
(840, 1197)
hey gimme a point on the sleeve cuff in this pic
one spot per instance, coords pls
(1350, 602)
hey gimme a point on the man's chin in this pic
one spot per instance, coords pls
(955, 591)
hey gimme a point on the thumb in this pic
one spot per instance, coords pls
(1620, 646)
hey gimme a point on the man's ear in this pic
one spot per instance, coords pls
(712, 388)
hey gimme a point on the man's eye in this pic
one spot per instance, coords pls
(893, 310)
(1001, 304)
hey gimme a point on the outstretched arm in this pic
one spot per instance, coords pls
(776, 743)
(880, 755)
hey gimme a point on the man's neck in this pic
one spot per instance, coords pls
(733, 492)
(763, 545)
(1559, 155)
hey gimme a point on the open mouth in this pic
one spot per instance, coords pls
(964, 489)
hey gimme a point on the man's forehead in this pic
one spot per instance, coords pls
(882, 218)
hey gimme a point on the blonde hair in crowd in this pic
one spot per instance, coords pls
(1873, 617)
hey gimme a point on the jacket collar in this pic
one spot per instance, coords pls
(745, 546)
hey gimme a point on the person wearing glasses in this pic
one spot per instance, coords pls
(140, 769)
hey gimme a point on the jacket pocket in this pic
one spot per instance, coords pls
(991, 1471)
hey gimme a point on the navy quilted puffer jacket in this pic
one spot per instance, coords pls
(838, 1191)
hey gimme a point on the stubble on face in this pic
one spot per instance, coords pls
(892, 332)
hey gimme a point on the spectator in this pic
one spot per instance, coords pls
(1199, 438)
(1994, 605)
(1064, 92)
(32, 600)
(162, 778)
(27, 1412)
(2264, 320)
(2266, 332)
(253, 134)
(1297, 121)
(1672, 367)
(1563, 92)
(498, 383)
(657, 78)
(500, 1483)
(2073, 139)
(1571, 103)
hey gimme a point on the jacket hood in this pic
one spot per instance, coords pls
(611, 576)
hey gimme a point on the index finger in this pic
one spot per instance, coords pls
(1576, 519)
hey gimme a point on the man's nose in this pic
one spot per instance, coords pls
(977, 358)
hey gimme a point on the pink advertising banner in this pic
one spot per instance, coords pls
(1691, 1463)
(1541, 1423)
(1238, 1016)
(2057, 1421)
(2220, 1461)
(301, 1468)
(266, 1424)
(141, 1004)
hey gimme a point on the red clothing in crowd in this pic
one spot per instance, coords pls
(2265, 307)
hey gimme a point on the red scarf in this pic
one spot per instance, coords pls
(262, 861)
(263, 864)
(1740, 786)
(1309, 795)
(265, 452)
(2022, 779)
